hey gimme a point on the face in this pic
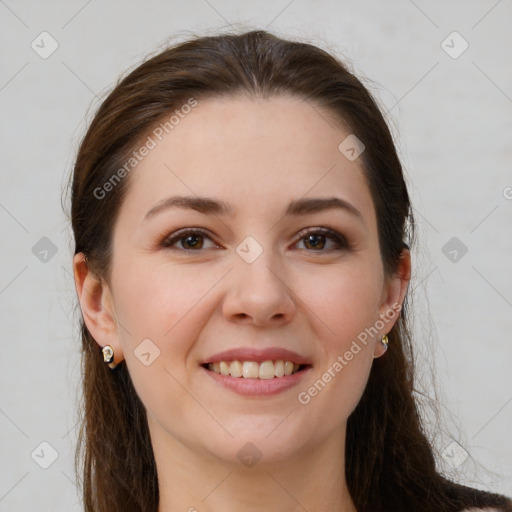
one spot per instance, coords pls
(259, 271)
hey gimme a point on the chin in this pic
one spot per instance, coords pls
(262, 442)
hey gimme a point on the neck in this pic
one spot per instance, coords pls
(193, 482)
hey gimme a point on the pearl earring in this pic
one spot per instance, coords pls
(108, 356)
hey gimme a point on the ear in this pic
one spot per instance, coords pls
(97, 306)
(393, 295)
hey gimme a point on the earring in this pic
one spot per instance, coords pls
(108, 356)
(384, 341)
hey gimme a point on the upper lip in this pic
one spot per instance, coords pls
(257, 355)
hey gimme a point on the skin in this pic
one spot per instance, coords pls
(256, 155)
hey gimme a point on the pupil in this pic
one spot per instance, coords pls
(194, 239)
(312, 239)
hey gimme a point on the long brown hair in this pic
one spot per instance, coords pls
(390, 463)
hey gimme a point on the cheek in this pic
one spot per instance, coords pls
(168, 306)
(153, 300)
(344, 300)
(345, 305)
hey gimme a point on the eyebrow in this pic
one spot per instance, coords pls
(298, 207)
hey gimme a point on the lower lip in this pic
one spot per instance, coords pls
(257, 387)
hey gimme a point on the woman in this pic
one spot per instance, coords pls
(242, 262)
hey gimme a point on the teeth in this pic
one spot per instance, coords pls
(266, 370)
(224, 368)
(236, 369)
(250, 369)
(279, 368)
(253, 370)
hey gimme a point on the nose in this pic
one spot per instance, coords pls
(258, 294)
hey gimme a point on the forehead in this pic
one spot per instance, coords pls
(255, 154)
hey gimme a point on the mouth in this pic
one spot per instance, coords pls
(264, 370)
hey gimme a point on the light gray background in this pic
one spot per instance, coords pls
(453, 124)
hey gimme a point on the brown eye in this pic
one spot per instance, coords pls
(189, 240)
(316, 240)
(195, 241)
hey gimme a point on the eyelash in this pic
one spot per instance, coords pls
(339, 239)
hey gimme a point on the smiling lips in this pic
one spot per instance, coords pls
(254, 370)
(250, 363)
